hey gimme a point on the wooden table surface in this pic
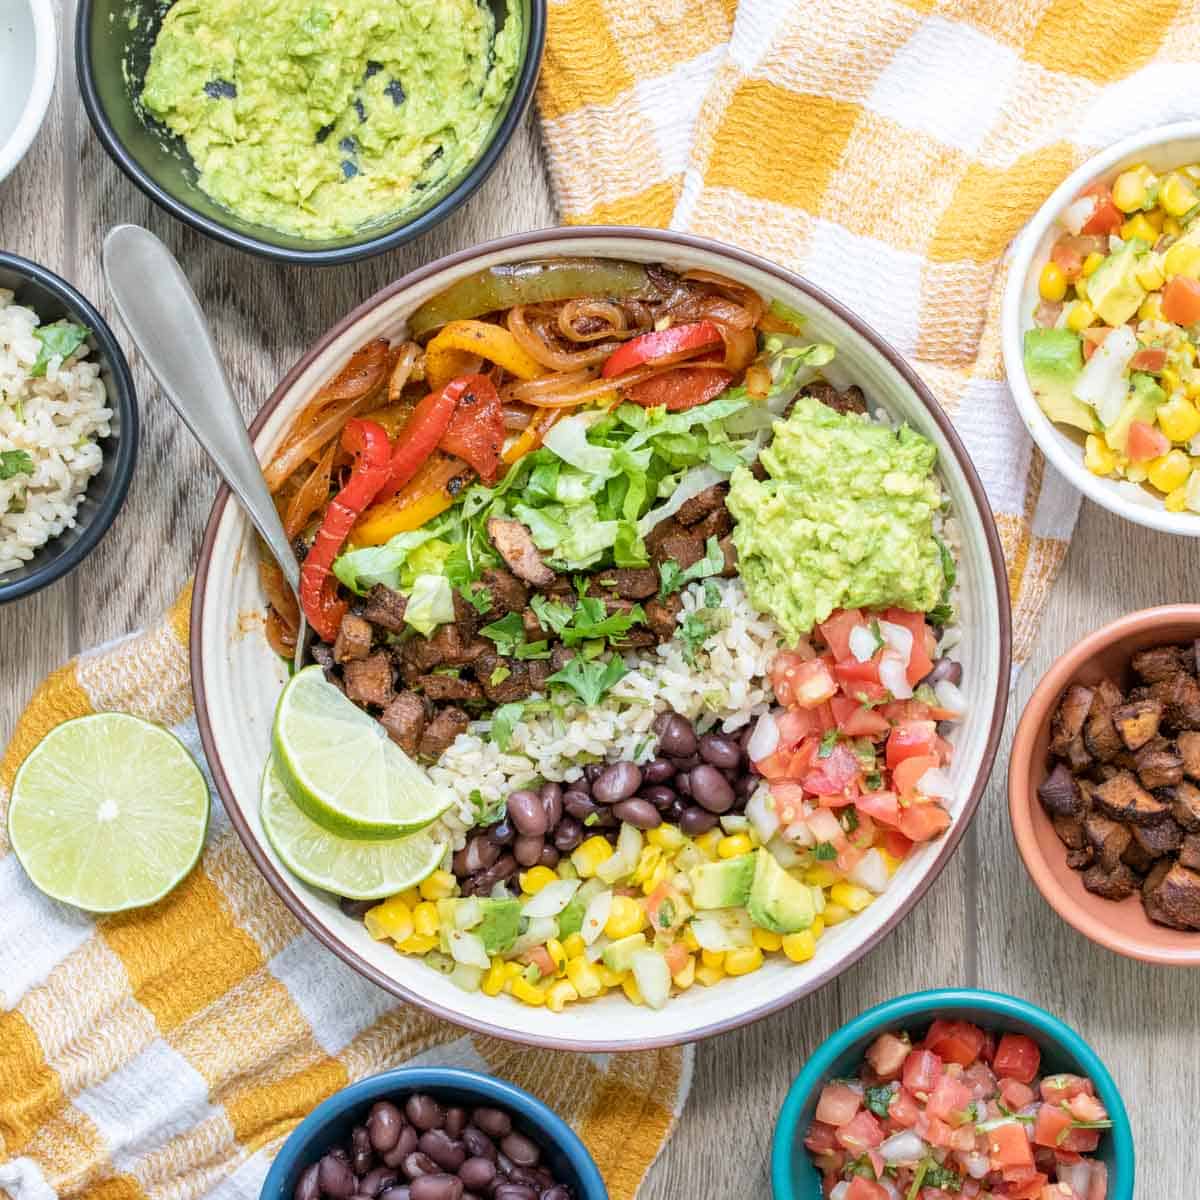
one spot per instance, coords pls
(982, 924)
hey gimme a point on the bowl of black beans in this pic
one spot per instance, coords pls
(433, 1133)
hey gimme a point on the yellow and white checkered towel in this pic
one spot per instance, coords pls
(888, 151)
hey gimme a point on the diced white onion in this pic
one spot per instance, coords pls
(735, 823)
(824, 825)
(936, 782)
(468, 912)
(1075, 216)
(652, 976)
(595, 952)
(624, 861)
(784, 854)
(552, 899)
(761, 810)
(870, 872)
(467, 948)
(893, 674)
(898, 638)
(1102, 382)
(893, 1192)
(863, 643)
(977, 1165)
(595, 916)
(723, 930)
(950, 696)
(839, 1190)
(765, 738)
(1078, 1176)
(903, 1147)
(798, 833)
(540, 931)
(466, 977)
(692, 483)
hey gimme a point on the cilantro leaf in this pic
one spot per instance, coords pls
(590, 621)
(528, 650)
(590, 679)
(672, 576)
(694, 630)
(550, 614)
(824, 852)
(508, 632)
(480, 599)
(504, 720)
(849, 818)
(499, 675)
(14, 463)
(937, 1176)
(828, 741)
(60, 339)
(878, 1099)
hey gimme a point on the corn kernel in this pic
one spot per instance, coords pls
(419, 943)
(1187, 351)
(608, 977)
(1169, 378)
(820, 876)
(1156, 217)
(656, 878)
(560, 995)
(835, 914)
(1052, 283)
(1179, 419)
(1193, 389)
(1081, 316)
(689, 940)
(574, 945)
(1129, 189)
(513, 970)
(686, 976)
(1150, 274)
(536, 878)
(1170, 471)
(1135, 472)
(707, 843)
(800, 947)
(709, 975)
(528, 993)
(1176, 501)
(1097, 457)
(1081, 288)
(732, 846)
(890, 861)
(425, 918)
(391, 919)
(588, 857)
(558, 956)
(441, 885)
(1092, 261)
(630, 988)
(666, 837)
(584, 977)
(1151, 308)
(1182, 259)
(712, 958)
(624, 918)
(1139, 227)
(1177, 195)
(1172, 227)
(411, 897)
(851, 897)
(493, 980)
(764, 939)
(817, 927)
(743, 960)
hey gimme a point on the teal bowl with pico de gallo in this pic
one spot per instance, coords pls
(883, 1110)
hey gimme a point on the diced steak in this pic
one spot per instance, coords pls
(1160, 662)
(515, 545)
(730, 569)
(1189, 852)
(1137, 857)
(369, 680)
(630, 583)
(1080, 860)
(1116, 884)
(635, 639)
(1185, 805)
(1152, 896)
(1180, 895)
(456, 647)
(353, 639)
(322, 655)
(1059, 793)
(404, 719)
(540, 670)
(1099, 732)
(1158, 765)
(1069, 717)
(1137, 722)
(1164, 837)
(441, 731)
(716, 524)
(559, 657)
(503, 679)
(385, 608)
(1077, 755)
(1109, 839)
(684, 549)
(447, 687)
(1070, 832)
(662, 615)
(1188, 745)
(702, 503)
(849, 401)
(532, 627)
(507, 592)
(1180, 697)
(1124, 799)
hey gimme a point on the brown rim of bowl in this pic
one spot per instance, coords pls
(284, 886)
(1078, 916)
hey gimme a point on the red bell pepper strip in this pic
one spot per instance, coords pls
(368, 442)
(680, 389)
(476, 430)
(659, 343)
(419, 438)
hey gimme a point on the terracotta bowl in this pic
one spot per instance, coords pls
(1118, 925)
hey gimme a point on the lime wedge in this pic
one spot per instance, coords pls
(341, 768)
(108, 812)
(350, 867)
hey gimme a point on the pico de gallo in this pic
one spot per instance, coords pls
(958, 1112)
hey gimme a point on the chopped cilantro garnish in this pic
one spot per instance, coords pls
(14, 463)
(61, 340)
(937, 1176)
(873, 780)
(499, 675)
(824, 851)
(672, 576)
(508, 633)
(592, 620)
(480, 599)
(849, 819)
(504, 720)
(828, 741)
(590, 679)
(694, 630)
(878, 1099)
(550, 614)
(527, 650)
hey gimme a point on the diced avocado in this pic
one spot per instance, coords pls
(500, 924)
(618, 955)
(1140, 405)
(1113, 290)
(778, 901)
(570, 920)
(1053, 361)
(724, 884)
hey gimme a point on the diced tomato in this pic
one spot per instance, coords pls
(880, 806)
(1029, 1188)
(1057, 1088)
(964, 1136)
(783, 669)
(1017, 1057)
(820, 1138)
(1181, 300)
(1051, 1124)
(921, 662)
(1080, 1141)
(677, 956)
(922, 1070)
(887, 1054)
(938, 1132)
(903, 1108)
(936, 1194)
(909, 739)
(979, 1078)
(989, 1045)
(864, 1189)
(836, 630)
(955, 1041)
(855, 721)
(896, 844)
(838, 1104)
(775, 766)
(1150, 358)
(923, 822)
(907, 775)
(539, 956)
(1009, 1147)
(811, 684)
(1099, 1188)
(863, 1132)
(1067, 257)
(1015, 1095)
(1106, 216)
(795, 725)
(1145, 442)
(948, 1101)
(833, 774)
(850, 672)
(1085, 1107)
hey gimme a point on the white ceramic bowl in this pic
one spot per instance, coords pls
(237, 679)
(1165, 147)
(28, 57)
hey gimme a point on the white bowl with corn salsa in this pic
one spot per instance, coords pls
(1101, 325)
(556, 993)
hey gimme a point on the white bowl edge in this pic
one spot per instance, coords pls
(37, 103)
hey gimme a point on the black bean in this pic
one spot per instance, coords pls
(526, 812)
(335, 1178)
(549, 857)
(478, 1144)
(502, 833)
(719, 750)
(495, 1122)
(579, 804)
(456, 1121)
(528, 1176)
(520, 1149)
(552, 802)
(732, 774)
(557, 1192)
(505, 868)
(406, 1143)
(682, 784)
(658, 770)
(682, 765)
(593, 771)
(619, 782)
(361, 1196)
(944, 669)
(418, 1164)
(448, 1153)
(378, 1180)
(342, 1153)
(362, 1161)
(514, 1191)
(477, 1173)
(307, 1187)
(360, 1139)
(641, 814)
(676, 736)
(436, 1187)
(696, 821)
(400, 1192)
(674, 811)
(480, 854)
(424, 1112)
(356, 908)
(528, 850)
(568, 834)
(711, 789)
(746, 786)
(659, 795)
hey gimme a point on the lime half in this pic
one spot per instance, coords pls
(350, 867)
(339, 765)
(108, 812)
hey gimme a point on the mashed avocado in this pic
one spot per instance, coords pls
(845, 519)
(315, 117)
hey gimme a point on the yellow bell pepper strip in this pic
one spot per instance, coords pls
(531, 435)
(444, 355)
(431, 491)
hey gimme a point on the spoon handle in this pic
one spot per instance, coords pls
(162, 314)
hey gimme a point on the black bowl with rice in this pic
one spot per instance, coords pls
(68, 427)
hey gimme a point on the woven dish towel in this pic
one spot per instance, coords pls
(164, 1054)
(889, 152)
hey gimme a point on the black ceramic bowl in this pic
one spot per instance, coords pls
(113, 40)
(53, 298)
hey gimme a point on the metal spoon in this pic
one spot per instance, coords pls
(165, 320)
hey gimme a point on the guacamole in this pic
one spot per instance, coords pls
(315, 117)
(845, 519)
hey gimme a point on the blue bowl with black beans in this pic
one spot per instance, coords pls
(433, 1133)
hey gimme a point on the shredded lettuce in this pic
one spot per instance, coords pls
(430, 603)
